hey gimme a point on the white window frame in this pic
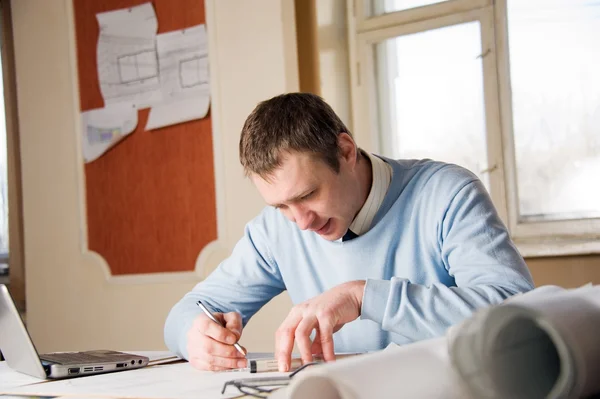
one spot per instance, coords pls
(548, 238)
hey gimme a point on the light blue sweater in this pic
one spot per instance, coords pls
(436, 252)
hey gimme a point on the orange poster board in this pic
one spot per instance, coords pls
(151, 204)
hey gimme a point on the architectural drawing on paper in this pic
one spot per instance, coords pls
(193, 71)
(137, 67)
(184, 77)
(127, 59)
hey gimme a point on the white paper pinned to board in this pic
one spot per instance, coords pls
(104, 127)
(184, 76)
(126, 56)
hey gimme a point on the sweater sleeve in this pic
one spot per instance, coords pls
(476, 251)
(244, 282)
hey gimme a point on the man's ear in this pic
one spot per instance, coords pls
(348, 149)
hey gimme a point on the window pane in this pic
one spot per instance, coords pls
(555, 58)
(3, 185)
(379, 7)
(431, 96)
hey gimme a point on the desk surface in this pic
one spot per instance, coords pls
(10, 379)
(175, 380)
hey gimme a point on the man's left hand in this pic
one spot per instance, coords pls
(325, 314)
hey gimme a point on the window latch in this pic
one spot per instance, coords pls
(490, 169)
(482, 56)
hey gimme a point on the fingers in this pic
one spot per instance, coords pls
(233, 322)
(325, 337)
(316, 345)
(210, 346)
(205, 353)
(302, 336)
(323, 343)
(298, 326)
(214, 363)
(284, 340)
(209, 328)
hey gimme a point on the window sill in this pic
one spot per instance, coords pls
(557, 247)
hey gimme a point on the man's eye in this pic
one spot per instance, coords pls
(307, 196)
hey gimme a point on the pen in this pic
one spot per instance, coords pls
(210, 316)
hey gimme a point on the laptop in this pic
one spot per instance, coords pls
(20, 353)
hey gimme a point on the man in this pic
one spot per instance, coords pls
(411, 247)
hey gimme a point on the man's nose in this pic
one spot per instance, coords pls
(303, 217)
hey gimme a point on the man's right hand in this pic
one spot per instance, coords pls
(210, 346)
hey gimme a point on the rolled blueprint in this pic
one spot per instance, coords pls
(419, 370)
(542, 344)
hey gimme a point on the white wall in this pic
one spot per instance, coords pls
(71, 305)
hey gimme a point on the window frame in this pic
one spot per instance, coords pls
(16, 255)
(533, 238)
(549, 238)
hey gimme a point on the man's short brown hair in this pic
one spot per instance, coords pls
(300, 122)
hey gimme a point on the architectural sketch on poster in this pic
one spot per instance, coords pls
(184, 77)
(104, 127)
(126, 56)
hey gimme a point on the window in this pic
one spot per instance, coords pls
(385, 7)
(556, 107)
(508, 89)
(3, 185)
(10, 167)
(427, 80)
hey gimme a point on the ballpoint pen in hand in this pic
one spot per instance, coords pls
(213, 318)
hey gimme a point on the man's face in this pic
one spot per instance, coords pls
(309, 193)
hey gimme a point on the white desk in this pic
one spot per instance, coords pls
(10, 379)
(175, 380)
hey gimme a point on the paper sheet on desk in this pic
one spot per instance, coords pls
(183, 65)
(176, 381)
(126, 56)
(419, 370)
